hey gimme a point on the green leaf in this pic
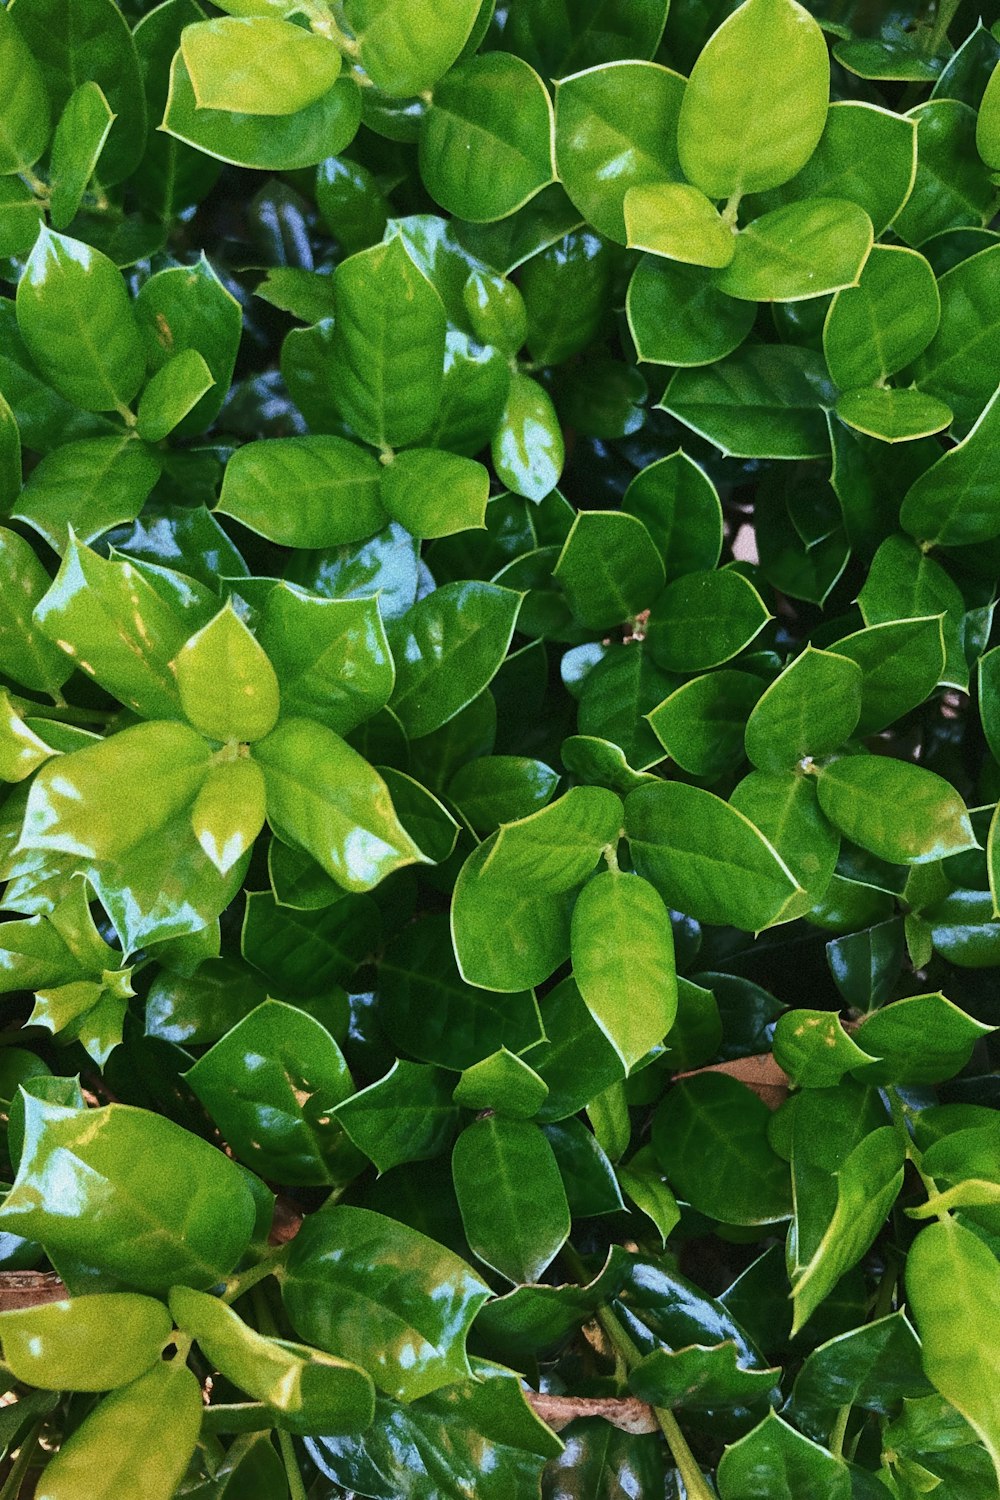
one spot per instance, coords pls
(78, 41)
(609, 568)
(920, 1039)
(479, 1435)
(74, 315)
(406, 47)
(325, 798)
(678, 316)
(710, 1138)
(865, 965)
(187, 307)
(756, 101)
(497, 789)
(435, 494)
(511, 1196)
(616, 128)
(388, 345)
(308, 952)
(622, 949)
(950, 189)
(948, 505)
(887, 320)
(868, 1183)
(81, 133)
(74, 804)
(700, 1377)
(701, 724)
(904, 583)
(527, 446)
(496, 107)
(406, 1116)
(447, 648)
(898, 811)
(873, 1367)
(811, 709)
(956, 366)
(643, 1182)
(704, 619)
(89, 486)
(814, 1049)
(172, 393)
(988, 122)
(953, 1285)
(27, 119)
(503, 1083)
(270, 1085)
(676, 220)
(380, 1294)
(331, 656)
(316, 491)
(26, 653)
(764, 401)
(92, 1343)
(802, 250)
(267, 142)
(228, 688)
(774, 1462)
(123, 631)
(152, 1204)
(894, 416)
(135, 1445)
(308, 1391)
(705, 858)
(258, 65)
(679, 506)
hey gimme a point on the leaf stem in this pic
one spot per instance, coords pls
(626, 1353)
(244, 1280)
(296, 1489)
(945, 14)
(838, 1430)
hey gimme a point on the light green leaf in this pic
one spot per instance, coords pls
(228, 688)
(677, 221)
(887, 320)
(27, 120)
(527, 447)
(894, 416)
(174, 391)
(258, 65)
(704, 619)
(898, 811)
(316, 491)
(609, 568)
(435, 494)
(802, 250)
(407, 45)
(87, 488)
(511, 1196)
(811, 709)
(83, 128)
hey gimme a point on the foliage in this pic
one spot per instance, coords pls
(500, 732)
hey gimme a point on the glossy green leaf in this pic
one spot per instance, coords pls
(893, 416)
(307, 952)
(187, 307)
(956, 366)
(406, 1116)
(705, 858)
(704, 619)
(898, 811)
(616, 128)
(312, 491)
(159, 1415)
(496, 107)
(86, 1343)
(814, 1049)
(701, 724)
(511, 1196)
(271, 1085)
(27, 119)
(774, 1462)
(950, 188)
(308, 1390)
(875, 328)
(74, 315)
(953, 1284)
(172, 393)
(228, 688)
(374, 1291)
(504, 1083)
(905, 583)
(328, 800)
(499, 789)
(679, 507)
(708, 1378)
(874, 1367)
(528, 450)
(629, 984)
(802, 250)
(188, 1221)
(678, 316)
(764, 401)
(258, 65)
(921, 1039)
(83, 128)
(447, 648)
(26, 652)
(949, 503)
(677, 221)
(756, 102)
(809, 710)
(710, 1137)
(406, 48)
(433, 493)
(609, 568)
(89, 486)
